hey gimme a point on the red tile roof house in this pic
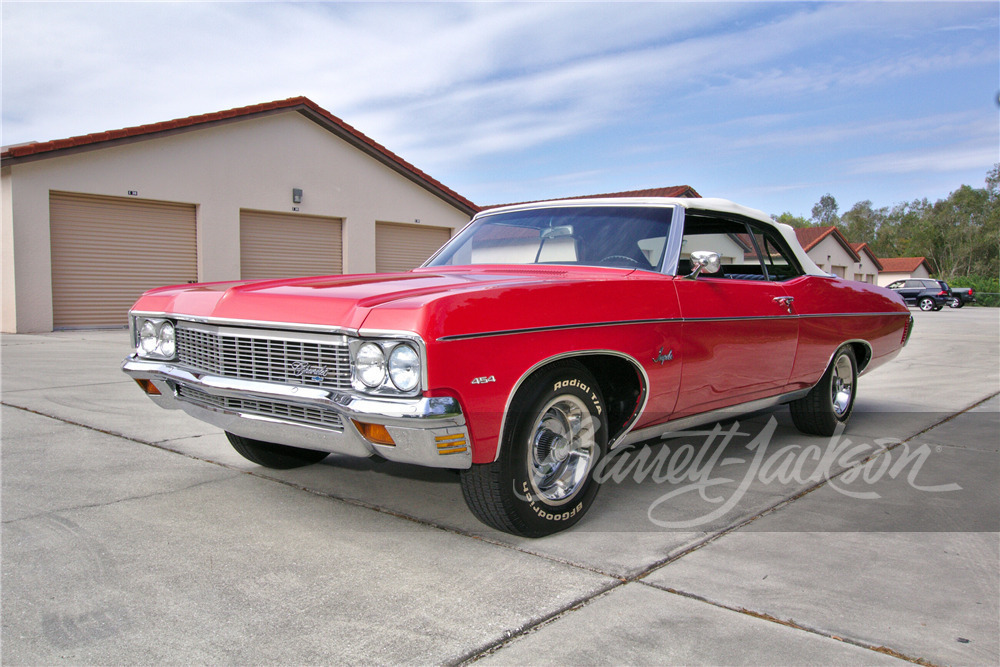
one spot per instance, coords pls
(900, 268)
(832, 252)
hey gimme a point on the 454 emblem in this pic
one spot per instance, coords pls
(485, 379)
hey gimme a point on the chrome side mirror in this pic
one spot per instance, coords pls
(704, 260)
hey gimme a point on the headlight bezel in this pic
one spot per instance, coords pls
(161, 345)
(402, 358)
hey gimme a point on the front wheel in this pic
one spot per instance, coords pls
(926, 304)
(270, 455)
(541, 482)
(829, 404)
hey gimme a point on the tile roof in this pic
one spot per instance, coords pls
(810, 237)
(671, 191)
(863, 247)
(903, 264)
(303, 105)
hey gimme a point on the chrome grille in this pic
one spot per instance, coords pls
(249, 355)
(312, 416)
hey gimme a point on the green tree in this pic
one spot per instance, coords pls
(863, 222)
(824, 213)
(793, 220)
(960, 235)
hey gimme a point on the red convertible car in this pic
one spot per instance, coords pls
(538, 339)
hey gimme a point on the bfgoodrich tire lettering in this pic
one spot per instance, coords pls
(829, 404)
(556, 432)
(270, 455)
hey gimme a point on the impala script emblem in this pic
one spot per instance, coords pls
(303, 369)
(660, 358)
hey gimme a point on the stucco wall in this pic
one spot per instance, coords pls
(828, 254)
(888, 278)
(865, 268)
(251, 164)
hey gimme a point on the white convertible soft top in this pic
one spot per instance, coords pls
(699, 203)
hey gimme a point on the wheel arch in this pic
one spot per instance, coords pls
(862, 353)
(623, 382)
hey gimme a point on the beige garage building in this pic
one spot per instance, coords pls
(271, 190)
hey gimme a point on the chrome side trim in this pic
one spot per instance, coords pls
(644, 390)
(619, 323)
(821, 315)
(560, 327)
(722, 414)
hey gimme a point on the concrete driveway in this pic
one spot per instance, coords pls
(137, 535)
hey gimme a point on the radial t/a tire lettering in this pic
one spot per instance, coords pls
(555, 433)
(270, 455)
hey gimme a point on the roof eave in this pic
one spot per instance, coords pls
(11, 157)
(99, 141)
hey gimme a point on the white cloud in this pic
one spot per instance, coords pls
(446, 84)
(942, 159)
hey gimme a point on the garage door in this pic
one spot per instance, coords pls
(404, 247)
(107, 251)
(277, 245)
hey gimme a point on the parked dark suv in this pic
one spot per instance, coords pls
(924, 293)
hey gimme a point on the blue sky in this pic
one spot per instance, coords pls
(770, 104)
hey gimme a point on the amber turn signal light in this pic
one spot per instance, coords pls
(375, 433)
(148, 387)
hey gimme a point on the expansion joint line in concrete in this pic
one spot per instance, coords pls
(796, 626)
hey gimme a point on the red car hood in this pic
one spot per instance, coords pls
(431, 302)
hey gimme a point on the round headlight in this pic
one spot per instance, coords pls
(147, 337)
(167, 342)
(369, 364)
(404, 367)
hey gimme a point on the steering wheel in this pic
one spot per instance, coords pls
(616, 259)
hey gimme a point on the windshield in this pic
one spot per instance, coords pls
(632, 237)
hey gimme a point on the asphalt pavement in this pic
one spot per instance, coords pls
(135, 535)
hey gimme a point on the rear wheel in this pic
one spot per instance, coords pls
(956, 303)
(270, 455)
(541, 482)
(926, 304)
(829, 404)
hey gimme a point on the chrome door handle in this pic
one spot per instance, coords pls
(785, 301)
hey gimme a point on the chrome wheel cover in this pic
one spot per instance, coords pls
(842, 385)
(562, 449)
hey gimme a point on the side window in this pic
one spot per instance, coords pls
(728, 238)
(914, 283)
(778, 260)
(896, 285)
(748, 251)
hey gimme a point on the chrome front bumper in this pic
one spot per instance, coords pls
(427, 431)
